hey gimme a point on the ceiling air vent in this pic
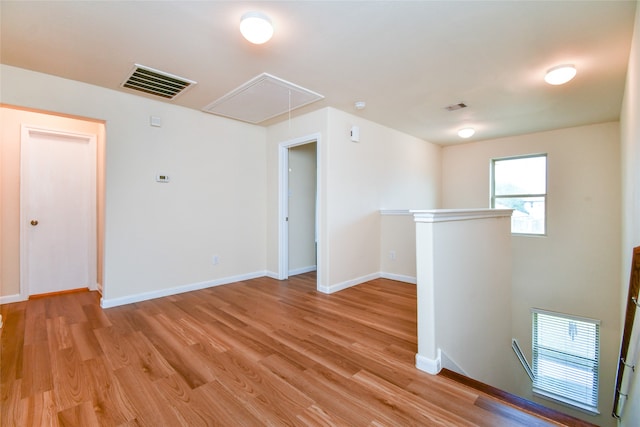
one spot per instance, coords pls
(261, 98)
(155, 82)
(454, 107)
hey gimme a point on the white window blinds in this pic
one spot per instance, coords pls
(566, 358)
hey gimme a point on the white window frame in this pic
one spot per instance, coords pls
(515, 196)
(558, 364)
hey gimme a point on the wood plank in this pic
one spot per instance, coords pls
(39, 410)
(258, 352)
(38, 377)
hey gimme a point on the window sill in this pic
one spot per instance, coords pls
(566, 402)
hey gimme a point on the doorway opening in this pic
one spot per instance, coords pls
(299, 242)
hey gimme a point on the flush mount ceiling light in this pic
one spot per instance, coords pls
(560, 74)
(466, 132)
(256, 27)
(359, 105)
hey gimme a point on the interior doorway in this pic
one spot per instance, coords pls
(58, 211)
(299, 232)
(302, 197)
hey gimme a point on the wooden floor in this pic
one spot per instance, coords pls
(260, 352)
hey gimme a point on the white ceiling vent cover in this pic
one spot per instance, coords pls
(155, 82)
(262, 98)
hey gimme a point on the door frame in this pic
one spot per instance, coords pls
(283, 205)
(26, 132)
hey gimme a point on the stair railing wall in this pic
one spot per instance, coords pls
(623, 365)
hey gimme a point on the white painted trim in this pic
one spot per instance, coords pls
(451, 364)
(446, 215)
(347, 284)
(302, 270)
(271, 275)
(129, 299)
(8, 299)
(396, 212)
(283, 211)
(363, 279)
(399, 277)
(430, 366)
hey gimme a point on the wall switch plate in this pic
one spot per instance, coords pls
(162, 177)
(155, 121)
(355, 133)
(215, 260)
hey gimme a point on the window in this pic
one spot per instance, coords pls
(566, 358)
(520, 183)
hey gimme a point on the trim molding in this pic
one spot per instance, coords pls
(130, 299)
(359, 280)
(114, 302)
(396, 212)
(8, 299)
(446, 215)
(272, 275)
(347, 284)
(399, 277)
(302, 270)
(430, 366)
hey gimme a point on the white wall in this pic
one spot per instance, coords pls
(161, 237)
(464, 277)
(398, 245)
(576, 267)
(630, 148)
(386, 169)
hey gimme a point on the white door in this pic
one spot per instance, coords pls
(58, 211)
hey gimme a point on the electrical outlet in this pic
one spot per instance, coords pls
(392, 255)
(215, 260)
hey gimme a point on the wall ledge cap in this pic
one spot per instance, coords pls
(396, 212)
(446, 215)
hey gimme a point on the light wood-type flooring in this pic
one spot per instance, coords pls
(254, 353)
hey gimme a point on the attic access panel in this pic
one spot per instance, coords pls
(262, 98)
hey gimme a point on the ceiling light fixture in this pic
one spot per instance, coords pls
(256, 27)
(466, 132)
(360, 105)
(560, 74)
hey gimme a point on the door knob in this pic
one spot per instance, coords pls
(34, 222)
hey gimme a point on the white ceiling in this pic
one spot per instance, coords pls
(407, 59)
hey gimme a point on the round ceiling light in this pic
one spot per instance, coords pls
(560, 74)
(466, 132)
(256, 27)
(360, 105)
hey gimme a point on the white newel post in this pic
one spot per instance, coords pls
(463, 263)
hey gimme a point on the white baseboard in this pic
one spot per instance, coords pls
(272, 275)
(430, 366)
(8, 299)
(451, 364)
(302, 270)
(399, 277)
(359, 280)
(349, 283)
(129, 299)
